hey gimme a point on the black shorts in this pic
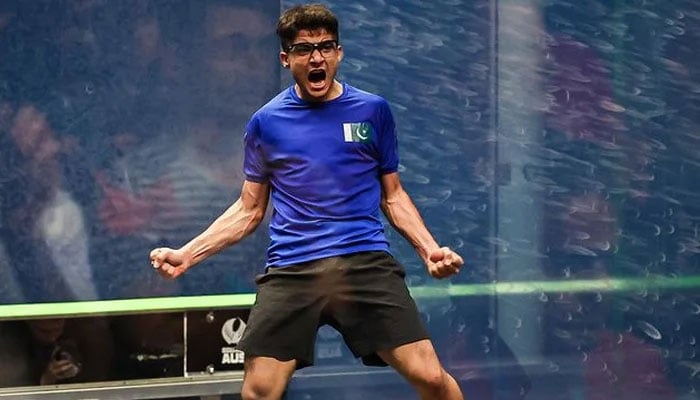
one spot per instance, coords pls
(362, 295)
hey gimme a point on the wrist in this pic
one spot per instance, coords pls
(187, 256)
(425, 251)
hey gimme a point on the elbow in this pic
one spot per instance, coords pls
(257, 218)
(388, 211)
(394, 200)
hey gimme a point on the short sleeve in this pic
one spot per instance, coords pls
(254, 165)
(387, 141)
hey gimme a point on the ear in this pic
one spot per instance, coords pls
(340, 53)
(284, 59)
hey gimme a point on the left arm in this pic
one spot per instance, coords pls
(403, 215)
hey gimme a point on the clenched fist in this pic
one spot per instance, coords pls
(170, 263)
(443, 263)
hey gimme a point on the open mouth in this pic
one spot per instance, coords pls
(317, 76)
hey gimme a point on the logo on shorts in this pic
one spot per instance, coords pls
(359, 132)
(232, 332)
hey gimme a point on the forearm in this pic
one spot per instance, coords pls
(405, 218)
(232, 226)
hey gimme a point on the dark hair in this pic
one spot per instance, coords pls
(308, 16)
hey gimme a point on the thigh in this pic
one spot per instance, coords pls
(375, 311)
(285, 317)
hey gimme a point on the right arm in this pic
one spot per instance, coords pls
(237, 222)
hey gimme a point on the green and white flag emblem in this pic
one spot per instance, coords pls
(357, 132)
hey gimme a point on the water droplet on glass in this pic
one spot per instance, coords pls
(649, 329)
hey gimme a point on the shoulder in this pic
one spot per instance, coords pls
(365, 96)
(281, 101)
(374, 104)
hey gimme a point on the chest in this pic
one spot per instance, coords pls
(314, 135)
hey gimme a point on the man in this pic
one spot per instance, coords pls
(326, 153)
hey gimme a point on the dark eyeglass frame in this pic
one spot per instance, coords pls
(303, 49)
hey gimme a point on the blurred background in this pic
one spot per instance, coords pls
(554, 144)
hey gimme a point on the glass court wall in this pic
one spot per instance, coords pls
(553, 143)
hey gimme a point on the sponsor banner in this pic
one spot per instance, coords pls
(212, 339)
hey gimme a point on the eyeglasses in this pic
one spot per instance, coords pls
(326, 48)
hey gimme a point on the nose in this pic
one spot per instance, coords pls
(316, 56)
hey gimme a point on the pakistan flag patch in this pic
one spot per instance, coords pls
(358, 132)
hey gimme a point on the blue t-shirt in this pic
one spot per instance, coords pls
(323, 162)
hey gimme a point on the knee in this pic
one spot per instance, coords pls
(432, 381)
(257, 390)
(265, 378)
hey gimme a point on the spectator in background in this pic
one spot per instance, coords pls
(238, 53)
(206, 99)
(141, 115)
(234, 36)
(43, 226)
(71, 350)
